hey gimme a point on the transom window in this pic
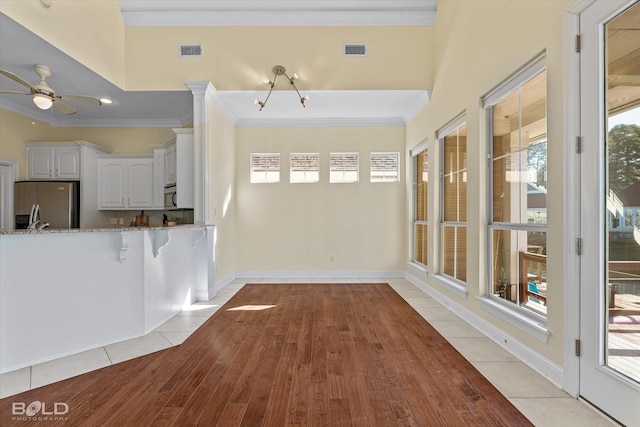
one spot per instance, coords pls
(265, 167)
(518, 184)
(385, 167)
(343, 168)
(305, 167)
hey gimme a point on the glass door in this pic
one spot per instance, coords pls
(610, 208)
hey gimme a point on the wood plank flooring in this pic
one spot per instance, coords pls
(284, 355)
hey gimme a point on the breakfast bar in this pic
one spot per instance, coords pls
(67, 291)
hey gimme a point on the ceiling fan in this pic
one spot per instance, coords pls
(44, 97)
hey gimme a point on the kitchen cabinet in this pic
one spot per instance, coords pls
(53, 161)
(158, 177)
(170, 164)
(125, 182)
(178, 164)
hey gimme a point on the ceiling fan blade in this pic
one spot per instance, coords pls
(64, 108)
(89, 100)
(18, 79)
(15, 92)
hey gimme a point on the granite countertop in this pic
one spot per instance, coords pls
(98, 230)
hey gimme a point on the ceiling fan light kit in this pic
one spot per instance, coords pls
(44, 97)
(43, 102)
(279, 70)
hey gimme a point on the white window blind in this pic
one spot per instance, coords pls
(385, 167)
(265, 167)
(305, 167)
(343, 168)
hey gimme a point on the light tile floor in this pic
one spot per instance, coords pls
(524, 387)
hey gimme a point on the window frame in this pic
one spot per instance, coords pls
(252, 172)
(453, 126)
(396, 171)
(343, 154)
(414, 153)
(529, 320)
(305, 171)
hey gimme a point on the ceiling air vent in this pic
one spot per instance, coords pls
(355, 50)
(190, 50)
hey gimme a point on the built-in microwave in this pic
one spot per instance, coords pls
(170, 197)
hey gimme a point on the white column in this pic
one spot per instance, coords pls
(200, 90)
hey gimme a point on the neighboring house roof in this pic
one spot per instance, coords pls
(630, 196)
(536, 196)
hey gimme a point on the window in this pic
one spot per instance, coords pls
(420, 163)
(453, 207)
(305, 167)
(265, 167)
(343, 168)
(385, 167)
(517, 122)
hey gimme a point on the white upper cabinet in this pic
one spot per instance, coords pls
(170, 165)
(178, 167)
(125, 183)
(53, 161)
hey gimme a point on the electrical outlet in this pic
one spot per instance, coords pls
(114, 221)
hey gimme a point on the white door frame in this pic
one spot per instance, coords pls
(586, 374)
(571, 208)
(6, 194)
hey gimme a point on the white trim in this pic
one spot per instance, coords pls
(8, 209)
(418, 268)
(451, 125)
(534, 360)
(321, 122)
(516, 318)
(419, 105)
(69, 122)
(571, 208)
(419, 148)
(319, 274)
(213, 97)
(515, 80)
(454, 286)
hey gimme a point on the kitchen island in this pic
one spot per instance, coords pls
(67, 291)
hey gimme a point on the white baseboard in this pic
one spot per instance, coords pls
(321, 274)
(534, 360)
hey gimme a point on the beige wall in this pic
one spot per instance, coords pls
(90, 31)
(240, 58)
(16, 129)
(320, 226)
(478, 45)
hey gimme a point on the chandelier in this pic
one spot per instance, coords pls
(279, 70)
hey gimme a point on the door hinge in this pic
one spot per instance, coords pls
(577, 42)
(578, 144)
(579, 246)
(577, 348)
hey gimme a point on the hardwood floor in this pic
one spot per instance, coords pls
(280, 355)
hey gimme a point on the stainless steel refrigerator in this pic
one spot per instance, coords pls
(58, 202)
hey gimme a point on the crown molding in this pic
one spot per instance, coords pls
(32, 113)
(69, 121)
(278, 12)
(240, 18)
(321, 122)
